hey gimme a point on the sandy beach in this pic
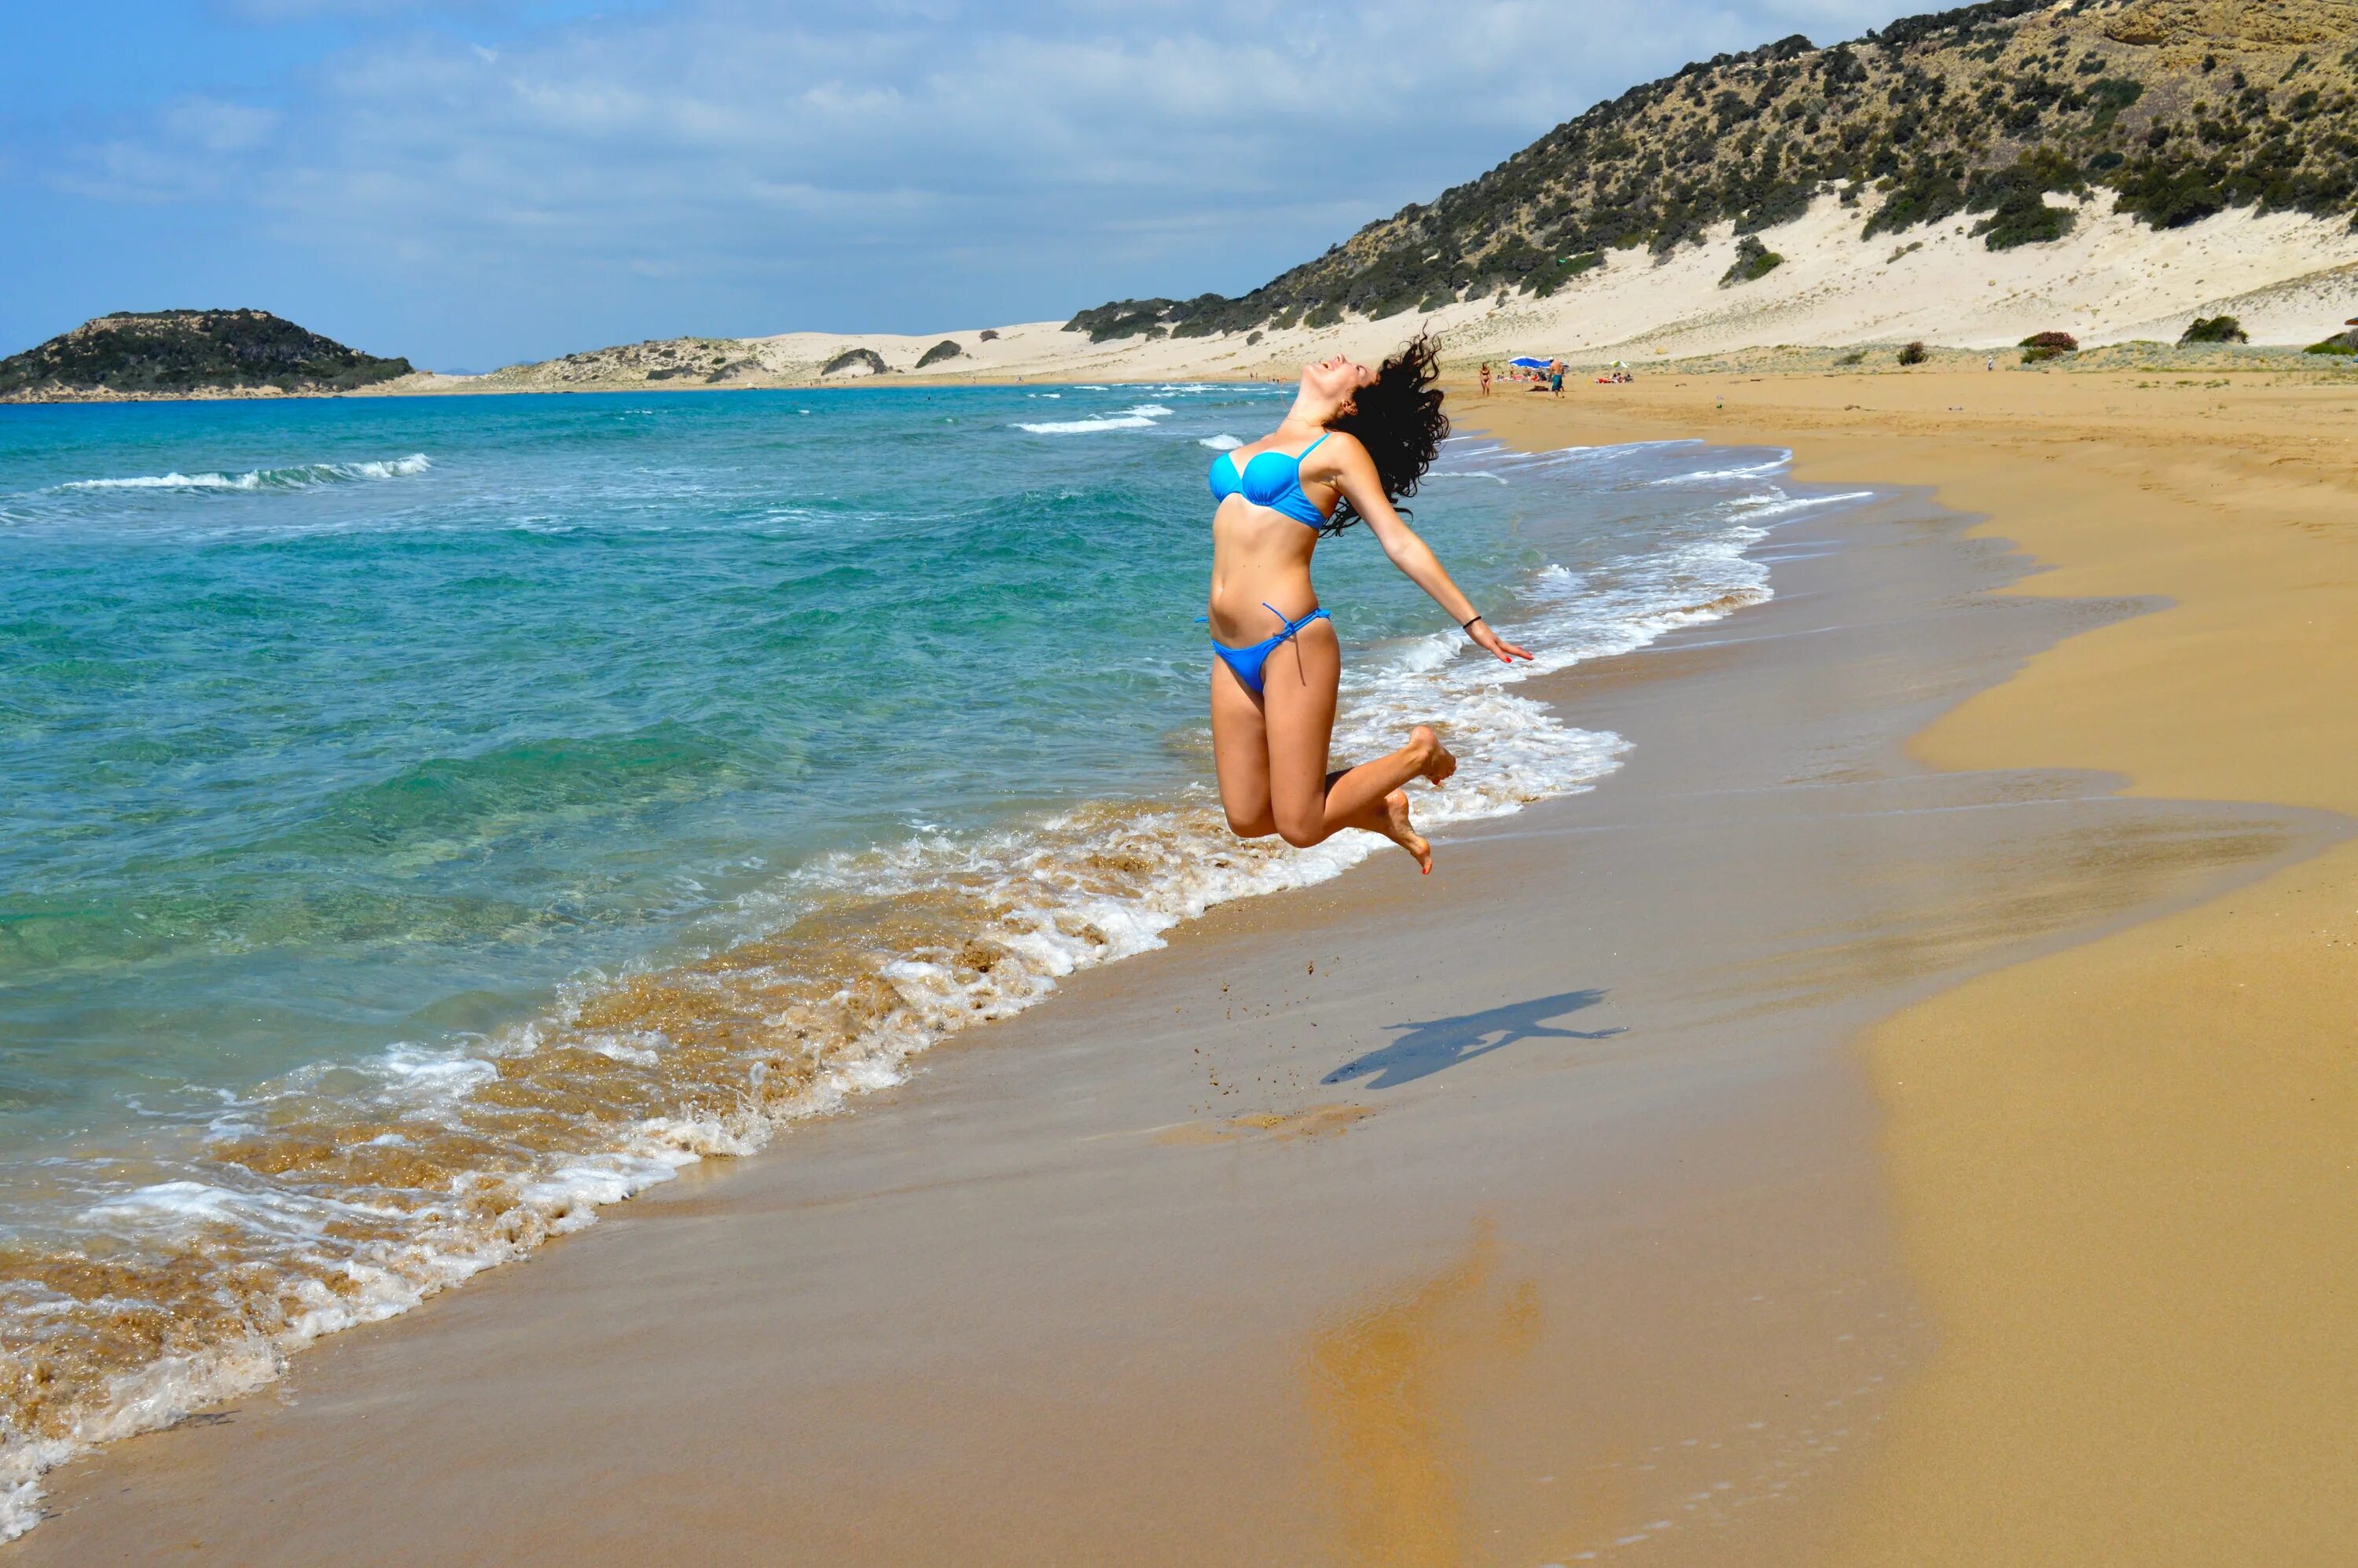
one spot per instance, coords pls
(1902, 1115)
(2124, 1174)
(2121, 1173)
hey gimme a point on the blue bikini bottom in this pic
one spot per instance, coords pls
(1248, 662)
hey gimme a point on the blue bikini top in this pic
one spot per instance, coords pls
(1272, 480)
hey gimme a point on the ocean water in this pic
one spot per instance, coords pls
(427, 821)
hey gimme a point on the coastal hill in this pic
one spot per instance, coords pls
(2117, 170)
(189, 353)
(2172, 111)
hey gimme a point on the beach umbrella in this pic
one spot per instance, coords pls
(1527, 363)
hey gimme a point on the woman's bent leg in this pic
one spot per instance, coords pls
(1309, 804)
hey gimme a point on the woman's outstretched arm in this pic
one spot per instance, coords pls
(1356, 476)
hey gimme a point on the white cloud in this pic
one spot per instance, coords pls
(211, 126)
(192, 149)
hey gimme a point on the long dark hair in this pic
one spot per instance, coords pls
(1399, 420)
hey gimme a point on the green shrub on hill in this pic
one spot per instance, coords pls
(1565, 269)
(1914, 355)
(2040, 347)
(2215, 329)
(1753, 260)
(1119, 318)
(2015, 198)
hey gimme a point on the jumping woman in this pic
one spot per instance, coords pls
(1355, 440)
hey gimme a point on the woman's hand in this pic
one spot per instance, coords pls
(1484, 637)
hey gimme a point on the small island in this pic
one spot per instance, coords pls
(137, 355)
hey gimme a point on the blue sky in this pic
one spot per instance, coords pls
(474, 182)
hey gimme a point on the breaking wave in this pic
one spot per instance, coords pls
(303, 476)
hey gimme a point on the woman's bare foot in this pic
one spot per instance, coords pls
(1440, 762)
(1402, 833)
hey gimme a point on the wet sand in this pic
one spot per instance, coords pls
(1544, 1208)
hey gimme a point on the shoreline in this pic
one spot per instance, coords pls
(2283, 364)
(1258, 1110)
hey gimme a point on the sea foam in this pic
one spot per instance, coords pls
(302, 476)
(1082, 426)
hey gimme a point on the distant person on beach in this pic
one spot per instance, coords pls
(1356, 439)
(1555, 378)
(1486, 381)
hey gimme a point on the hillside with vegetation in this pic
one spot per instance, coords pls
(181, 353)
(2173, 111)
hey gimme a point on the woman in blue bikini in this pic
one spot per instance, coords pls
(1354, 440)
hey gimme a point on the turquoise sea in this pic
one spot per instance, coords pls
(428, 819)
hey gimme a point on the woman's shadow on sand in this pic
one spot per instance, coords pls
(1427, 1048)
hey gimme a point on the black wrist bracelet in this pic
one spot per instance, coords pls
(1468, 626)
